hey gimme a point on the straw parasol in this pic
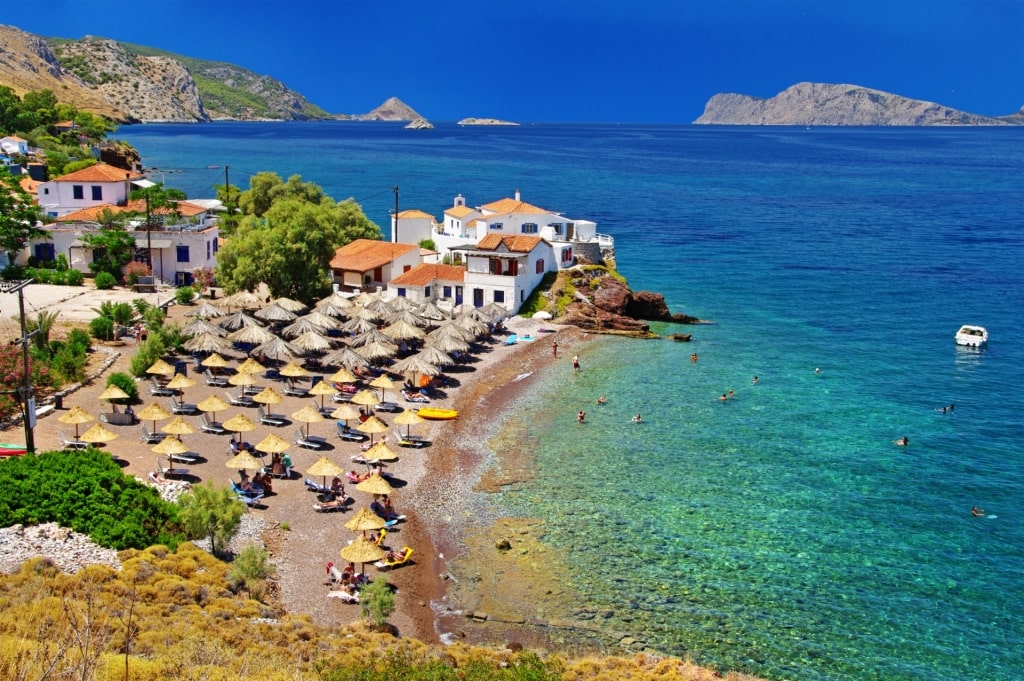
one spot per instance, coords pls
(322, 320)
(432, 354)
(179, 426)
(326, 307)
(97, 433)
(380, 452)
(370, 336)
(383, 382)
(276, 348)
(268, 396)
(198, 326)
(241, 379)
(448, 343)
(77, 416)
(244, 299)
(239, 423)
(113, 393)
(253, 335)
(409, 418)
(243, 460)
(358, 325)
(415, 364)
(274, 313)
(344, 413)
(213, 404)
(432, 312)
(153, 412)
(345, 357)
(375, 484)
(365, 398)
(180, 382)
(308, 414)
(273, 444)
(208, 310)
(207, 342)
(301, 326)
(342, 375)
(362, 551)
(375, 350)
(293, 370)
(323, 389)
(215, 361)
(169, 447)
(403, 330)
(239, 320)
(161, 368)
(363, 520)
(325, 468)
(289, 304)
(250, 366)
(472, 324)
(372, 426)
(311, 341)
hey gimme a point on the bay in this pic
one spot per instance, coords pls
(782, 532)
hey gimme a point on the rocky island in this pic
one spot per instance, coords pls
(485, 121)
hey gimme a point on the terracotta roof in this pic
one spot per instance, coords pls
(426, 274)
(29, 185)
(516, 243)
(413, 213)
(363, 255)
(90, 214)
(15, 138)
(101, 172)
(459, 211)
(506, 206)
(184, 209)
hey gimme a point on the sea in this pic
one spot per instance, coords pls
(781, 532)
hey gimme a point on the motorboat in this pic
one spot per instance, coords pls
(972, 336)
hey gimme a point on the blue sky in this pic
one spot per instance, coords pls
(574, 60)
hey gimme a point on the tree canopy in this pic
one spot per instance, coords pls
(112, 249)
(287, 237)
(19, 216)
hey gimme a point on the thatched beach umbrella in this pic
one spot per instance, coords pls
(207, 342)
(358, 325)
(416, 365)
(250, 366)
(495, 311)
(345, 412)
(342, 375)
(161, 368)
(362, 551)
(169, 447)
(345, 357)
(371, 336)
(277, 349)
(113, 392)
(409, 418)
(215, 361)
(207, 310)
(409, 317)
(253, 335)
(380, 307)
(198, 326)
(274, 313)
(311, 341)
(242, 461)
(243, 380)
(403, 330)
(380, 452)
(213, 404)
(376, 350)
(448, 343)
(179, 426)
(375, 484)
(247, 300)
(239, 423)
(153, 412)
(432, 312)
(431, 354)
(475, 326)
(331, 310)
(365, 398)
(301, 326)
(180, 382)
(268, 396)
(239, 320)
(363, 520)
(292, 371)
(289, 304)
(97, 433)
(308, 414)
(322, 320)
(322, 389)
(371, 427)
(383, 382)
(325, 468)
(273, 444)
(76, 416)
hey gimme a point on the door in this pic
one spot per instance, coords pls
(478, 297)
(458, 295)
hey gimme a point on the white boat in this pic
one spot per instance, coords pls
(972, 336)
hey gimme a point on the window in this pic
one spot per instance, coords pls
(529, 228)
(44, 252)
(494, 266)
(46, 191)
(498, 226)
(77, 192)
(540, 266)
(426, 292)
(406, 268)
(97, 192)
(567, 255)
(98, 254)
(499, 296)
(513, 268)
(183, 254)
(216, 245)
(378, 274)
(446, 291)
(401, 292)
(209, 249)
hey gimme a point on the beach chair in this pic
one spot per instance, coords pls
(270, 419)
(158, 390)
(344, 596)
(168, 472)
(338, 504)
(214, 381)
(403, 440)
(240, 399)
(151, 438)
(349, 435)
(72, 444)
(389, 564)
(317, 487)
(182, 407)
(209, 426)
(247, 498)
(296, 391)
(309, 441)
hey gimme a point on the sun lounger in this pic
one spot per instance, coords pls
(414, 397)
(317, 487)
(350, 435)
(344, 596)
(388, 564)
(270, 419)
(389, 407)
(72, 444)
(240, 399)
(169, 472)
(331, 506)
(209, 426)
(214, 381)
(151, 438)
(184, 457)
(511, 340)
(182, 407)
(309, 441)
(247, 498)
(342, 398)
(403, 440)
(158, 390)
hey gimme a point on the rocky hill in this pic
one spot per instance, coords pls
(828, 104)
(393, 109)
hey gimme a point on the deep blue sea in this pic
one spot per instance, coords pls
(781, 533)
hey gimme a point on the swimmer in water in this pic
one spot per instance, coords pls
(903, 441)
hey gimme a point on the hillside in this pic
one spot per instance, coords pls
(393, 109)
(828, 104)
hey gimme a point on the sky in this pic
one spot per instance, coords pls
(655, 61)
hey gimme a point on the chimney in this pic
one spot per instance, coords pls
(517, 195)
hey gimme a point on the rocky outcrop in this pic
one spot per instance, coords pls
(393, 109)
(420, 124)
(837, 105)
(121, 155)
(485, 121)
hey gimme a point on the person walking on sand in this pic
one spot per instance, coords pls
(575, 362)
(554, 348)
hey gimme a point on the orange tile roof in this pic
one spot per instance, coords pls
(15, 138)
(29, 185)
(184, 208)
(426, 274)
(363, 255)
(516, 243)
(506, 206)
(414, 213)
(101, 172)
(459, 211)
(90, 214)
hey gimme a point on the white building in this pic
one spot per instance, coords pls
(504, 269)
(12, 144)
(431, 282)
(97, 185)
(367, 264)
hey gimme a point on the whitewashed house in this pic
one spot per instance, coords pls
(431, 282)
(504, 269)
(367, 264)
(12, 144)
(412, 226)
(97, 185)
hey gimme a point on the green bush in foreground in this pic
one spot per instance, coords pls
(105, 280)
(87, 492)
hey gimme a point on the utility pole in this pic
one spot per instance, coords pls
(149, 238)
(26, 391)
(227, 188)
(395, 235)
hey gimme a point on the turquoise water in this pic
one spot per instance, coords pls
(781, 532)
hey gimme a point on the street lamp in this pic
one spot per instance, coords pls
(26, 392)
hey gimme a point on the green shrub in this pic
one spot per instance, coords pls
(147, 354)
(105, 281)
(140, 306)
(121, 313)
(378, 602)
(61, 265)
(67, 365)
(154, 318)
(75, 278)
(125, 383)
(102, 328)
(13, 272)
(184, 295)
(80, 339)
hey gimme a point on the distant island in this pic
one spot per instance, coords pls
(485, 121)
(839, 105)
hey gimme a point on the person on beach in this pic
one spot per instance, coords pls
(582, 416)
(554, 348)
(977, 512)
(575, 362)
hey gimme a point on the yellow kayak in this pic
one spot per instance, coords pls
(436, 414)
